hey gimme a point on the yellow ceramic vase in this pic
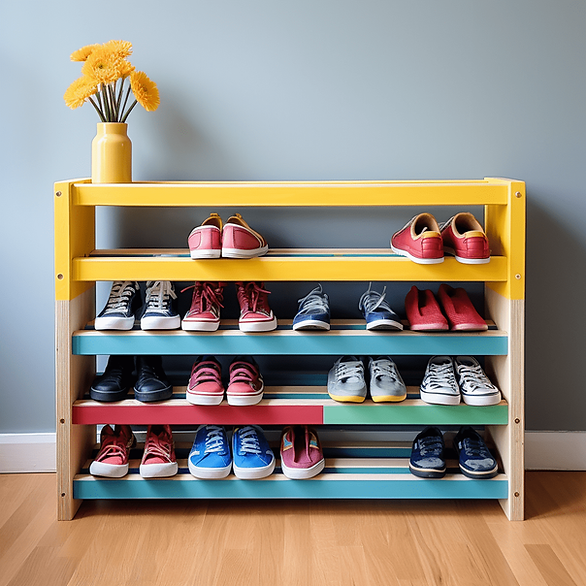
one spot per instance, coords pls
(111, 154)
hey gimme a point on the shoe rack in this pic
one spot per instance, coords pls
(368, 470)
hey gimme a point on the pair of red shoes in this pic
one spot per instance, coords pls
(425, 314)
(234, 239)
(424, 242)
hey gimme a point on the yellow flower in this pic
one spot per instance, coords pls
(145, 91)
(125, 68)
(120, 49)
(83, 53)
(102, 66)
(79, 91)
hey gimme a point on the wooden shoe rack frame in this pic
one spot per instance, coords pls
(367, 471)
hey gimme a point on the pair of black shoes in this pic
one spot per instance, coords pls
(150, 382)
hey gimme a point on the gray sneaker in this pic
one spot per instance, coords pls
(439, 386)
(386, 384)
(346, 380)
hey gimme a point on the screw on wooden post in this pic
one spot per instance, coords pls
(517, 420)
(58, 194)
(518, 194)
(60, 276)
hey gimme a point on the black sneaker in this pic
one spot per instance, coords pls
(152, 383)
(122, 305)
(427, 455)
(160, 311)
(116, 381)
(474, 457)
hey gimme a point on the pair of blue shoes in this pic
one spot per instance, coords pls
(211, 457)
(314, 311)
(428, 454)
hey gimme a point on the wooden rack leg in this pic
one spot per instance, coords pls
(73, 376)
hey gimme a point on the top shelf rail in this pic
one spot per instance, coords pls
(489, 191)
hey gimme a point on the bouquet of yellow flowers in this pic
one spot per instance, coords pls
(105, 72)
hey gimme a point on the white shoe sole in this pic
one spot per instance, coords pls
(158, 470)
(244, 400)
(201, 254)
(483, 400)
(258, 326)
(384, 324)
(208, 473)
(109, 470)
(114, 323)
(439, 399)
(254, 473)
(303, 473)
(312, 324)
(242, 253)
(200, 326)
(466, 261)
(420, 261)
(196, 399)
(160, 323)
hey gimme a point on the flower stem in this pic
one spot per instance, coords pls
(125, 102)
(98, 110)
(129, 110)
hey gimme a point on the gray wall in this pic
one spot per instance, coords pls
(320, 89)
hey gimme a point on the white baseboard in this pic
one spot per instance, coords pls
(544, 450)
(555, 450)
(27, 452)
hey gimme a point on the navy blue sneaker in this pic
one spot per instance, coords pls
(427, 455)
(314, 311)
(377, 312)
(210, 454)
(160, 307)
(474, 457)
(253, 458)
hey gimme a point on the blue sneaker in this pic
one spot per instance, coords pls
(427, 455)
(253, 458)
(474, 457)
(377, 312)
(210, 454)
(314, 311)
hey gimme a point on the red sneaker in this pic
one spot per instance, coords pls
(205, 383)
(465, 239)
(204, 313)
(115, 446)
(205, 241)
(420, 240)
(158, 459)
(255, 313)
(423, 311)
(239, 240)
(461, 313)
(246, 385)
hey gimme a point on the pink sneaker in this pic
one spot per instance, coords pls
(239, 240)
(420, 240)
(464, 238)
(255, 313)
(462, 315)
(246, 385)
(204, 313)
(115, 446)
(205, 241)
(423, 311)
(301, 452)
(158, 459)
(205, 383)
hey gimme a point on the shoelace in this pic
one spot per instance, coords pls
(205, 295)
(473, 377)
(157, 295)
(372, 300)
(438, 375)
(474, 447)
(249, 443)
(347, 371)
(384, 369)
(315, 301)
(120, 295)
(112, 446)
(214, 440)
(205, 371)
(242, 372)
(160, 445)
(251, 295)
(430, 444)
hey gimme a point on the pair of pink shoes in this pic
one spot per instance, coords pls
(301, 452)
(158, 459)
(234, 239)
(423, 241)
(246, 386)
(425, 314)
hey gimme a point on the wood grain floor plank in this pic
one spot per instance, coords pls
(549, 565)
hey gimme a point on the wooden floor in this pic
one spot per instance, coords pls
(288, 543)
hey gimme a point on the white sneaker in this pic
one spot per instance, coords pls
(439, 386)
(476, 387)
